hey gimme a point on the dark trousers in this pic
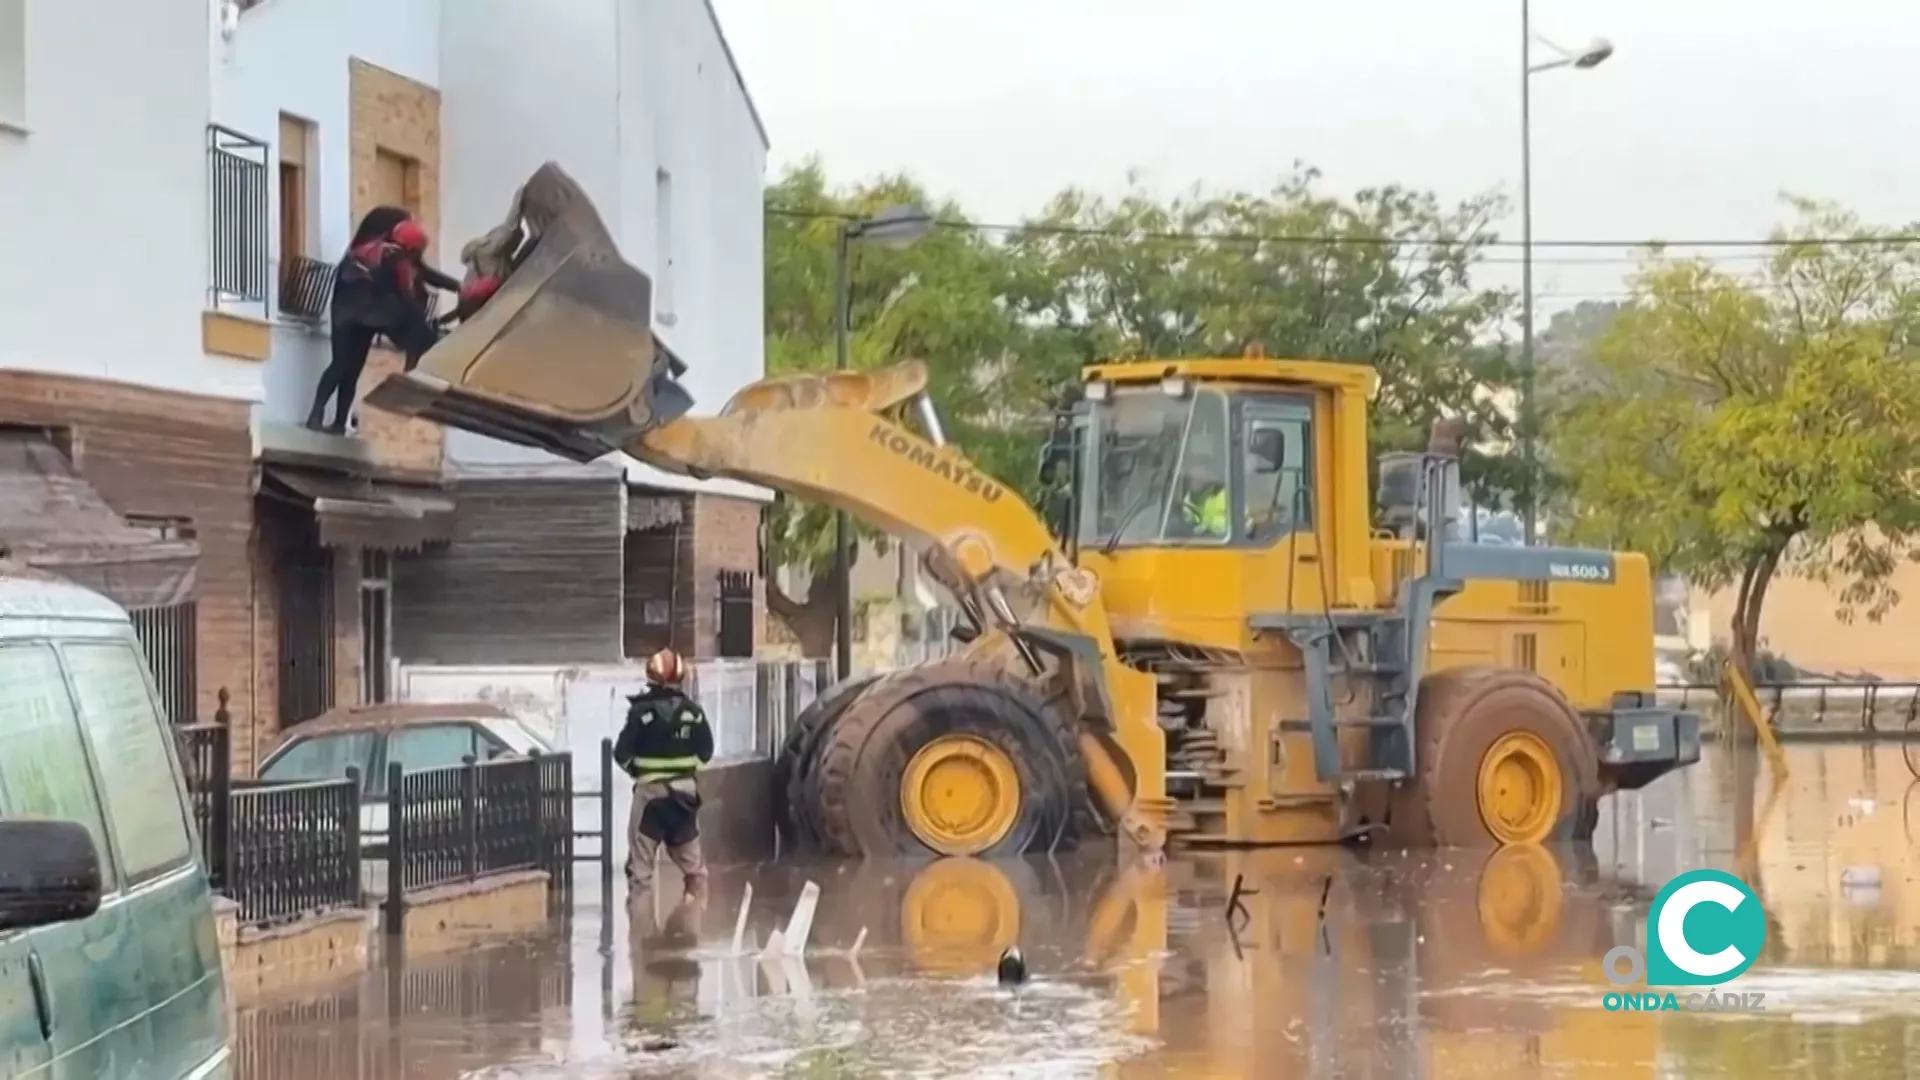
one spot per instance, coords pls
(352, 342)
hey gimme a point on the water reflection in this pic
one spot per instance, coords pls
(1331, 963)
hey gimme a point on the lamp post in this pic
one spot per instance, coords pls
(1592, 56)
(896, 227)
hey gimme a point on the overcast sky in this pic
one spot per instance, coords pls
(1705, 113)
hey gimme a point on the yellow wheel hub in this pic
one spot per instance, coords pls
(1519, 790)
(958, 916)
(960, 795)
(1520, 899)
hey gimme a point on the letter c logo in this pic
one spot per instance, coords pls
(1673, 933)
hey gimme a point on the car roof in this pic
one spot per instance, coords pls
(399, 715)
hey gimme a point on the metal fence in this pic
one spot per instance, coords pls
(168, 637)
(306, 288)
(461, 822)
(236, 217)
(293, 849)
(1863, 707)
(208, 767)
(749, 702)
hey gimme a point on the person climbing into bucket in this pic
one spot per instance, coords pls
(665, 740)
(379, 290)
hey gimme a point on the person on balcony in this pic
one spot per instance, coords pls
(379, 289)
(664, 742)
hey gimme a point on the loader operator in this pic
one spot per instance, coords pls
(664, 742)
(1204, 502)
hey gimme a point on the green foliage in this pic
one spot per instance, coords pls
(938, 300)
(1733, 428)
(1382, 278)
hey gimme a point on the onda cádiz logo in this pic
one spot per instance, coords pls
(1705, 928)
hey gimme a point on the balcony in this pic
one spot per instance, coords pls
(234, 323)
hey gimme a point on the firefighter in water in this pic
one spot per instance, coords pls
(664, 742)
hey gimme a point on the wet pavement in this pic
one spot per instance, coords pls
(1332, 964)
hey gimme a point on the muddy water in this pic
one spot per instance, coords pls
(1330, 963)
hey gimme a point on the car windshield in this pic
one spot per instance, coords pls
(322, 757)
(1156, 469)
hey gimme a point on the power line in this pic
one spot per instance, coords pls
(1195, 237)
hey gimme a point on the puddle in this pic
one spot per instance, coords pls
(1335, 963)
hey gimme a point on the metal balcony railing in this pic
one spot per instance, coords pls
(237, 219)
(306, 287)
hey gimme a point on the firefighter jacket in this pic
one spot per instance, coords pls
(666, 736)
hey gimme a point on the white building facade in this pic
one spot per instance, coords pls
(177, 180)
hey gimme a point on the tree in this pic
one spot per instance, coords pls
(1382, 278)
(1737, 428)
(938, 300)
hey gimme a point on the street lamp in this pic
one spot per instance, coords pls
(1592, 56)
(894, 227)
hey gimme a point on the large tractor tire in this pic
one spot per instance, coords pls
(955, 758)
(793, 769)
(1504, 759)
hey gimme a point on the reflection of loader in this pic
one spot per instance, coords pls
(1300, 679)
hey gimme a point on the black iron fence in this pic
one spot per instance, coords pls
(293, 849)
(205, 759)
(462, 822)
(306, 287)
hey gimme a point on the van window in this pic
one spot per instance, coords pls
(43, 757)
(144, 800)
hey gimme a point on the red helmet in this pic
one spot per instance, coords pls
(410, 235)
(665, 668)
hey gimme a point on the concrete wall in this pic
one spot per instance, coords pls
(103, 196)
(1801, 622)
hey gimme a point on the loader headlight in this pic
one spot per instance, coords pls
(1099, 390)
(1175, 386)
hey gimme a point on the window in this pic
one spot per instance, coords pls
(376, 625)
(663, 246)
(145, 801)
(1276, 462)
(13, 64)
(296, 238)
(433, 746)
(43, 758)
(322, 757)
(1157, 469)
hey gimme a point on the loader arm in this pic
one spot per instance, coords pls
(840, 440)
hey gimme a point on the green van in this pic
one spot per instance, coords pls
(109, 960)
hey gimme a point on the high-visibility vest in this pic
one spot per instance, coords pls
(1208, 514)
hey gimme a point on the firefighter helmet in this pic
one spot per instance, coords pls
(665, 668)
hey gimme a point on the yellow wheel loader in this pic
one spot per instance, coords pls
(1218, 639)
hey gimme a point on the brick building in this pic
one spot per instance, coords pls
(151, 442)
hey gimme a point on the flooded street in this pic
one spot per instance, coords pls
(1331, 964)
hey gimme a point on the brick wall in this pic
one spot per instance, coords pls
(724, 535)
(392, 114)
(165, 454)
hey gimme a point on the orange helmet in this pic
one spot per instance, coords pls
(665, 668)
(410, 235)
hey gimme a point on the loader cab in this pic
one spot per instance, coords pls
(1197, 484)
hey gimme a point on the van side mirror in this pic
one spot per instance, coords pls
(1269, 446)
(49, 873)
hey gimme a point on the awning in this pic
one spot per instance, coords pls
(52, 519)
(646, 513)
(358, 512)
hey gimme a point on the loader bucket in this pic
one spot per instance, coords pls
(562, 357)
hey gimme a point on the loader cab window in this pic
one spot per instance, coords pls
(1276, 463)
(1156, 469)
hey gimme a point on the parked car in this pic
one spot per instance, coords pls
(418, 735)
(109, 960)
